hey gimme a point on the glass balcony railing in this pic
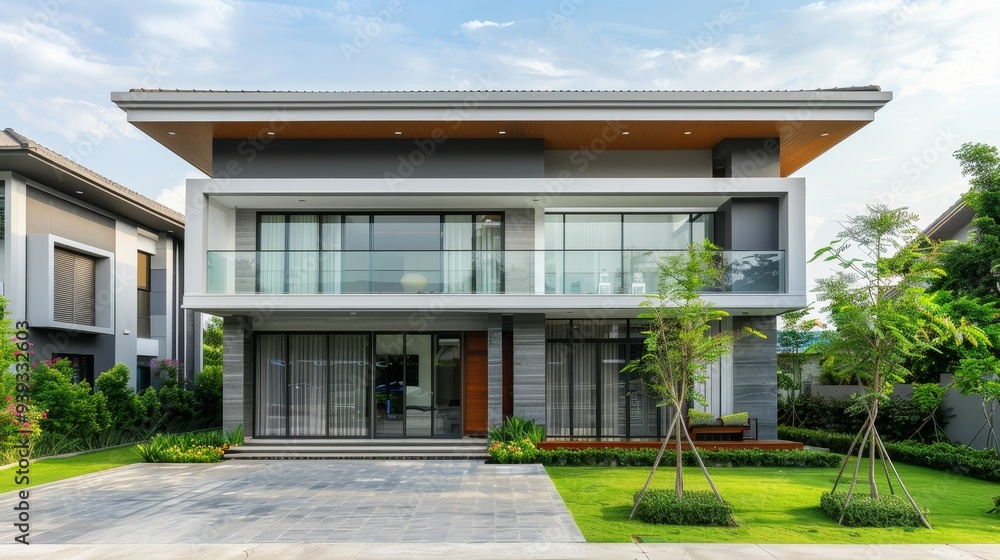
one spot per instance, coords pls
(472, 272)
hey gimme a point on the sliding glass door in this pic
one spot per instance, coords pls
(358, 385)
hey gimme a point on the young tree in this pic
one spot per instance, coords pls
(680, 344)
(795, 336)
(883, 315)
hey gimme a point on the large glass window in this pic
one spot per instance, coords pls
(586, 395)
(143, 271)
(380, 253)
(611, 253)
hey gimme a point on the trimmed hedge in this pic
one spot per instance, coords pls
(889, 510)
(621, 457)
(982, 464)
(695, 508)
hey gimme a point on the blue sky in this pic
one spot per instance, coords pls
(60, 59)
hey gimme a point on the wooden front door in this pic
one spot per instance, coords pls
(476, 399)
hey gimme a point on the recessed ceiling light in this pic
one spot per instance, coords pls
(270, 133)
(687, 132)
(171, 132)
(398, 132)
(502, 132)
(825, 134)
(302, 200)
(354, 312)
(79, 192)
(170, 231)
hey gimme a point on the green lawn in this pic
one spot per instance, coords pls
(775, 505)
(51, 470)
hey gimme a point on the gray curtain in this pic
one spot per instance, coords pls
(272, 370)
(349, 390)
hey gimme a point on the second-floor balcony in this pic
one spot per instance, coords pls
(473, 272)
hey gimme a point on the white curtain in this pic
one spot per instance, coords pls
(329, 258)
(613, 388)
(307, 384)
(271, 263)
(489, 253)
(272, 370)
(584, 389)
(557, 397)
(303, 254)
(349, 388)
(458, 254)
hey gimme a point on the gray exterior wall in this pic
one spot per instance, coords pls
(246, 240)
(237, 374)
(410, 158)
(747, 157)
(49, 214)
(748, 224)
(494, 414)
(628, 163)
(755, 363)
(529, 367)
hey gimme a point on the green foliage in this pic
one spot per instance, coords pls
(695, 508)
(996, 505)
(513, 451)
(115, 385)
(7, 347)
(927, 397)
(699, 418)
(982, 464)
(177, 403)
(898, 419)
(202, 447)
(888, 510)
(71, 408)
(212, 339)
(148, 406)
(736, 419)
(973, 267)
(626, 457)
(208, 392)
(516, 429)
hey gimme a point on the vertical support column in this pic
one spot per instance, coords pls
(755, 381)
(529, 367)
(494, 366)
(237, 374)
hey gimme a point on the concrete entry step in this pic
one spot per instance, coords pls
(380, 449)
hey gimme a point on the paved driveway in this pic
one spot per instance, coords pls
(300, 501)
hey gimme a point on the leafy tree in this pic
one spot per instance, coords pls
(793, 338)
(680, 344)
(883, 315)
(212, 343)
(973, 268)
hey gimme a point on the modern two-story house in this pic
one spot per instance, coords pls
(423, 264)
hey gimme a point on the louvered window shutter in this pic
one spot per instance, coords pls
(73, 288)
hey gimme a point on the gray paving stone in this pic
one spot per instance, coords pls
(301, 502)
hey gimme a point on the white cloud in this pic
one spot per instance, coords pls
(476, 24)
(174, 197)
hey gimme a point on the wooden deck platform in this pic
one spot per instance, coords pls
(709, 445)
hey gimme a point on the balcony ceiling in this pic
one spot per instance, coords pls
(808, 123)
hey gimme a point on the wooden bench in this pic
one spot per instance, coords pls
(724, 433)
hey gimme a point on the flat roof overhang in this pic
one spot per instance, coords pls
(808, 123)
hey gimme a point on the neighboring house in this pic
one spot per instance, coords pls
(94, 267)
(424, 264)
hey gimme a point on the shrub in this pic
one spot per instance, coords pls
(699, 418)
(736, 419)
(996, 505)
(513, 452)
(115, 385)
(982, 464)
(203, 447)
(624, 457)
(695, 508)
(72, 409)
(898, 419)
(208, 393)
(888, 510)
(177, 402)
(515, 429)
(147, 405)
